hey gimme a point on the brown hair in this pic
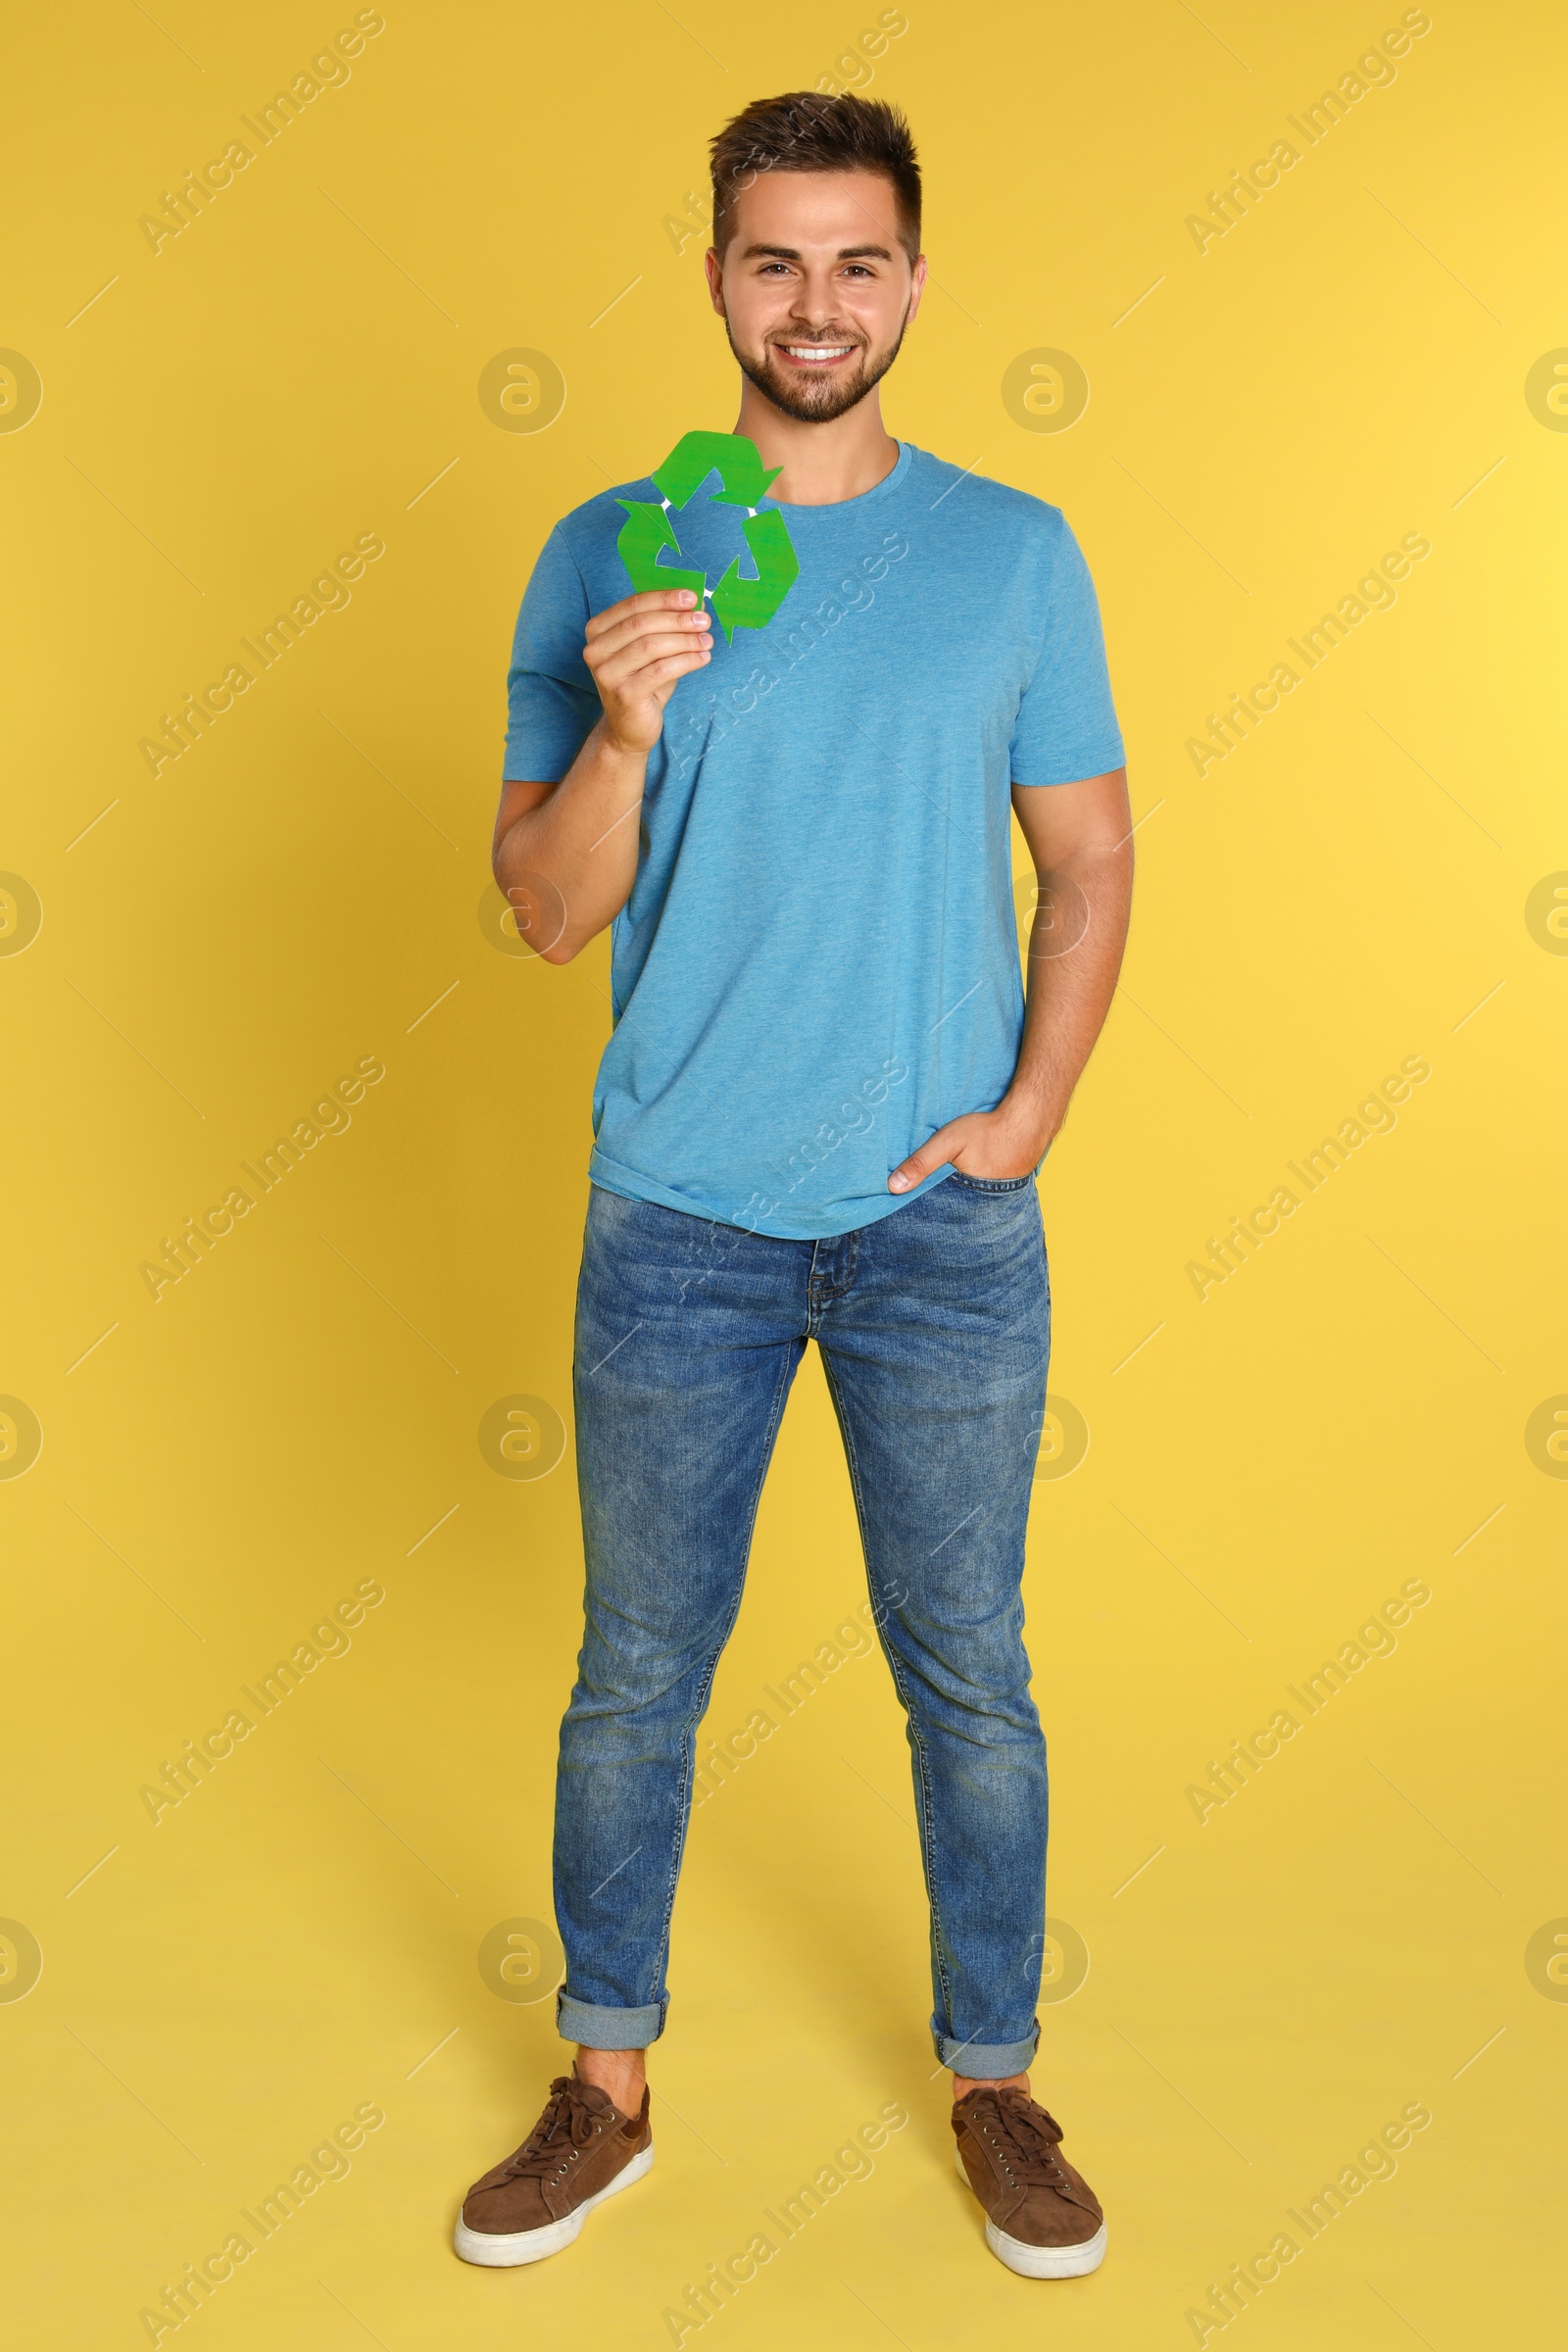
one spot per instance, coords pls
(805, 130)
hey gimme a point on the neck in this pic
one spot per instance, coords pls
(822, 463)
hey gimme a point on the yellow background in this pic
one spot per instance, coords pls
(218, 421)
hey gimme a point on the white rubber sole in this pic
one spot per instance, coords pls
(1039, 2262)
(496, 2253)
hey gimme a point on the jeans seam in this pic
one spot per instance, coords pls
(689, 1729)
(927, 1839)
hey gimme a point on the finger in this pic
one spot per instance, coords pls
(654, 600)
(617, 676)
(641, 629)
(658, 674)
(941, 1147)
(650, 613)
(603, 657)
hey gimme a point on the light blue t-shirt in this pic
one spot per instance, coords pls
(818, 964)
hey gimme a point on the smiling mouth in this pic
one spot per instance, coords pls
(815, 354)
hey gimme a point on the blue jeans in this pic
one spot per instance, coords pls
(933, 1328)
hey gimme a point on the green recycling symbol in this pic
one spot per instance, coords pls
(647, 530)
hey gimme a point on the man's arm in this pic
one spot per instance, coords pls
(1080, 836)
(566, 855)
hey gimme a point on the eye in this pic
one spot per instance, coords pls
(857, 270)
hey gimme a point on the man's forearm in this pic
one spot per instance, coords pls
(582, 841)
(1075, 952)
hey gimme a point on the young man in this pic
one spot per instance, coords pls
(819, 1116)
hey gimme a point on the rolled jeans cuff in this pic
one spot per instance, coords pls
(599, 2028)
(985, 2061)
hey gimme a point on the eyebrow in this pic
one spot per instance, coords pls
(846, 253)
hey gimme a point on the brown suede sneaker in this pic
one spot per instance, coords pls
(582, 2151)
(1043, 2220)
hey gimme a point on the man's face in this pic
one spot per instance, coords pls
(816, 289)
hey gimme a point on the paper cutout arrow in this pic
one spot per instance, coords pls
(737, 602)
(643, 534)
(735, 458)
(752, 603)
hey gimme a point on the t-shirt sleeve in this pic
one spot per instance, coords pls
(1066, 726)
(551, 702)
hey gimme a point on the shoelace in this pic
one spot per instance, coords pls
(567, 2119)
(1031, 2147)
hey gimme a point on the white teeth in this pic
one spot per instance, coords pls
(817, 351)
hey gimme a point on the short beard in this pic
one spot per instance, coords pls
(809, 401)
